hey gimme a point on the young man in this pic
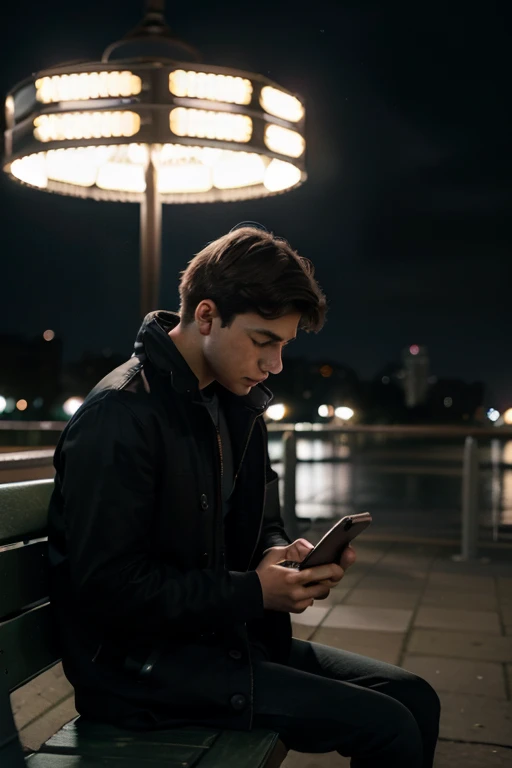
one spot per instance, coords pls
(166, 536)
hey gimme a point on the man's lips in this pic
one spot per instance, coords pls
(255, 381)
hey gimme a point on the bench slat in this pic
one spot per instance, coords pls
(28, 646)
(241, 749)
(98, 740)
(185, 747)
(80, 761)
(23, 576)
(24, 510)
(73, 736)
(134, 750)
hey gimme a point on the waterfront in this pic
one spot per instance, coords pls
(412, 487)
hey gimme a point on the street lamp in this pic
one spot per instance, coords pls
(344, 413)
(153, 129)
(276, 412)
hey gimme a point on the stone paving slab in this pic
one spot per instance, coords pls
(378, 598)
(504, 586)
(302, 631)
(35, 698)
(502, 568)
(321, 760)
(463, 582)
(383, 583)
(38, 731)
(479, 678)
(449, 754)
(476, 718)
(506, 615)
(445, 564)
(43, 706)
(312, 616)
(463, 645)
(367, 555)
(363, 617)
(413, 548)
(354, 576)
(468, 601)
(400, 575)
(385, 646)
(336, 595)
(403, 561)
(450, 618)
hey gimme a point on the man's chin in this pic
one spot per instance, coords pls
(239, 388)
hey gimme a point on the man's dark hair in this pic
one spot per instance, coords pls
(251, 270)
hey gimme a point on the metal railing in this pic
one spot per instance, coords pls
(470, 466)
(290, 432)
(19, 434)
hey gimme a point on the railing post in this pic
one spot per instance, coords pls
(496, 487)
(289, 497)
(470, 487)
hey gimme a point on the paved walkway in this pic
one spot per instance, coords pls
(409, 605)
(451, 623)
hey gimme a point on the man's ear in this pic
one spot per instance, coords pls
(206, 312)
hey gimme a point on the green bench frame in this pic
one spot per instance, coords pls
(28, 648)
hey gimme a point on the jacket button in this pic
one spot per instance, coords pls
(204, 501)
(235, 654)
(238, 701)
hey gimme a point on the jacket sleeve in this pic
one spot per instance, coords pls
(109, 484)
(273, 533)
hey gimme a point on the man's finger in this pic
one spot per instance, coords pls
(299, 549)
(303, 544)
(348, 557)
(322, 573)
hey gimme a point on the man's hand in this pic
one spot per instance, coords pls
(296, 551)
(291, 590)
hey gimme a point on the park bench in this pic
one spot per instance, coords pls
(28, 648)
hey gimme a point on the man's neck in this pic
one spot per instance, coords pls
(186, 341)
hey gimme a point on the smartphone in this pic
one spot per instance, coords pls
(330, 547)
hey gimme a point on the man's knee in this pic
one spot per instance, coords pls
(393, 736)
(425, 698)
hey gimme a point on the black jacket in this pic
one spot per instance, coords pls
(153, 593)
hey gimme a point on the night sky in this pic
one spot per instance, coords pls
(406, 211)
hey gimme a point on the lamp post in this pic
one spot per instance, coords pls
(158, 127)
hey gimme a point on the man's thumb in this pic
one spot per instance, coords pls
(275, 554)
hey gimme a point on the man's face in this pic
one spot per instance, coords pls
(245, 353)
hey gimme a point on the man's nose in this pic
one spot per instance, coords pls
(273, 363)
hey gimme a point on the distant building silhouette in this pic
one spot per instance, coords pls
(416, 371)
(303, 385)
(452, 400)
(31, 370)
(82, 375)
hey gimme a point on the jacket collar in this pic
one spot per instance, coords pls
(153, 340)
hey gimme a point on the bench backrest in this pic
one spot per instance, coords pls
(27, 644)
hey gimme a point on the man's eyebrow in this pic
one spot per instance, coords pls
(271, 334)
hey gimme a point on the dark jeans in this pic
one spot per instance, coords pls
(326, 699)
